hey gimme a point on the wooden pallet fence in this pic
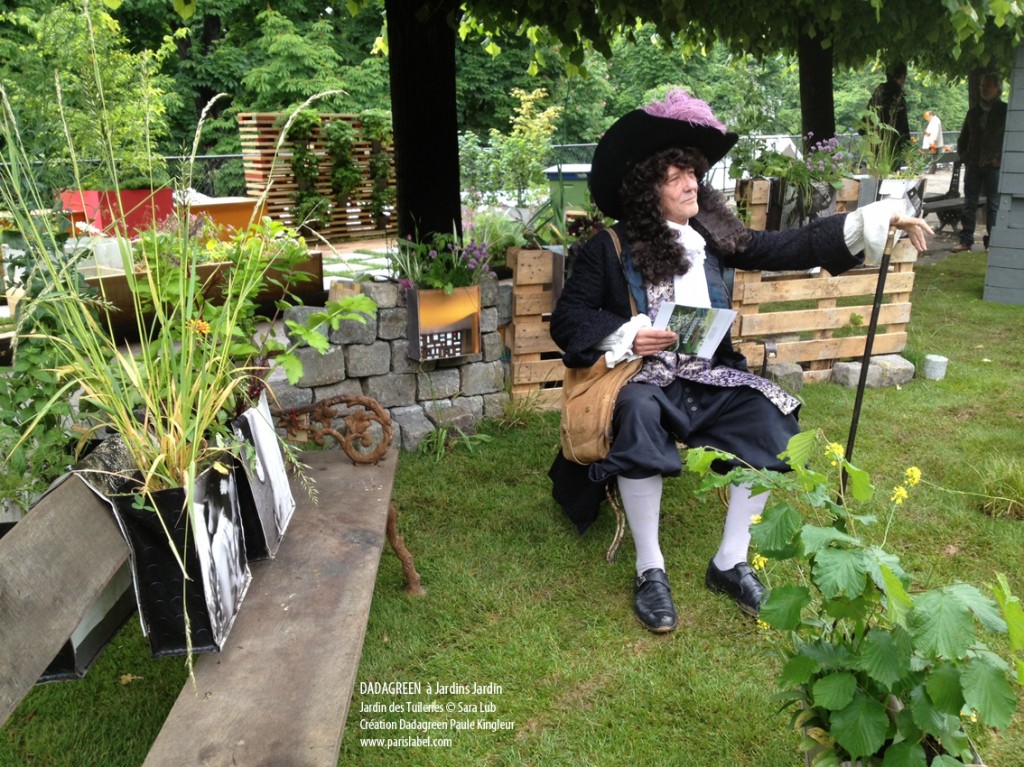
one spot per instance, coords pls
(537, 369)
(814, 320)
(808, 316)
(259, 135)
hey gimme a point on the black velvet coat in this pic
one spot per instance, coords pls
(595, 303)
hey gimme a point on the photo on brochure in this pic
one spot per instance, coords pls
(700, 329)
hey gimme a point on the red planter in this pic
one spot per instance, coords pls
(124, 212)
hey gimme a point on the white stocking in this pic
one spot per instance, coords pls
(641, 500)
(736, 535)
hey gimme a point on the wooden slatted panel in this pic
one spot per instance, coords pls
(279, 691)
(537, 369)
(259, 136)
(807, 335)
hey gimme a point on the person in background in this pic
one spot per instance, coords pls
(889, 103)
(931, 141)
(980, 147)
(677, 235)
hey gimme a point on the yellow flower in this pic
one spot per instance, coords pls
(759, 561)
(913, 475)
(199, 326)
(763, 626)
(756, 519)
(899, 495)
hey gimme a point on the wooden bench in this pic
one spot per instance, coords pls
(279, 692)
(948, 205)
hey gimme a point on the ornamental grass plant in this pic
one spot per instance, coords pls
(195, 361)
(171, 394)
(516, 597)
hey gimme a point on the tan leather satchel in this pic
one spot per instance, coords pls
(588, 401)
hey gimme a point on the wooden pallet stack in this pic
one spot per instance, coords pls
(817, 319)
(266, 166)
(537, 369)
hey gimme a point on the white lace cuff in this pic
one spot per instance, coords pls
(617, 346)
(867, 228)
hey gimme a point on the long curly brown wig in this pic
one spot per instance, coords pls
(657, 253)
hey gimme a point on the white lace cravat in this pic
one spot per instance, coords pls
(691, 289)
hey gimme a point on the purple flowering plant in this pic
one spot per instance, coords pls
(440, 261)
(827, 161)
(824, 162)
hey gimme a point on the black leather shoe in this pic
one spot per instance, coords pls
(740, 583)
(653, 601)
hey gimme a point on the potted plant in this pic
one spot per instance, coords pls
(441, 276)
(170, 398)
(877, 669)
(793, 188)
(500, 230)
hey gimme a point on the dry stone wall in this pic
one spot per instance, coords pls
(372, 360)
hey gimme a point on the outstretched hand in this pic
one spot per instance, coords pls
(914, 227)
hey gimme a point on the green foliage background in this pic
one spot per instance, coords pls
(269, 59)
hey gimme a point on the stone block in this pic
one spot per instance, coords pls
(455, 417)
(504, 304)
(391, 390)
(788, 375)
(301, 315)
(493, 347)
(488, 319)
(413, 426)
(847, 374)
(896, 370)
(400, 360)
(438, 384)
(285, 396)
(350, 387)
(483, 378)
(392, 323)
(495, 404)
(385, 294)
(321, 369)
(489, 290)
(371, 360)
(883, 371)
(354, 332)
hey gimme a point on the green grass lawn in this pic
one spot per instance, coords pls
(516, 599)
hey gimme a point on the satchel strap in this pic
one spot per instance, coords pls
(618, 252)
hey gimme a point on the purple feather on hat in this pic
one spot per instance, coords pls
(680, 105)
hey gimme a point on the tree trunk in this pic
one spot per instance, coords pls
(421, 55)
(817, 105)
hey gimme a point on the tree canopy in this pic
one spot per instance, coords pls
(944, 37)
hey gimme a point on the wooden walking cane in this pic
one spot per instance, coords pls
(883, 270)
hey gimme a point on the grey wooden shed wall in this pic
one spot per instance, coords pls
(1004, 276)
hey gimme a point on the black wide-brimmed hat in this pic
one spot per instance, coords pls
(679, 120)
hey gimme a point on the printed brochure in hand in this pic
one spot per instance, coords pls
(700, 329)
